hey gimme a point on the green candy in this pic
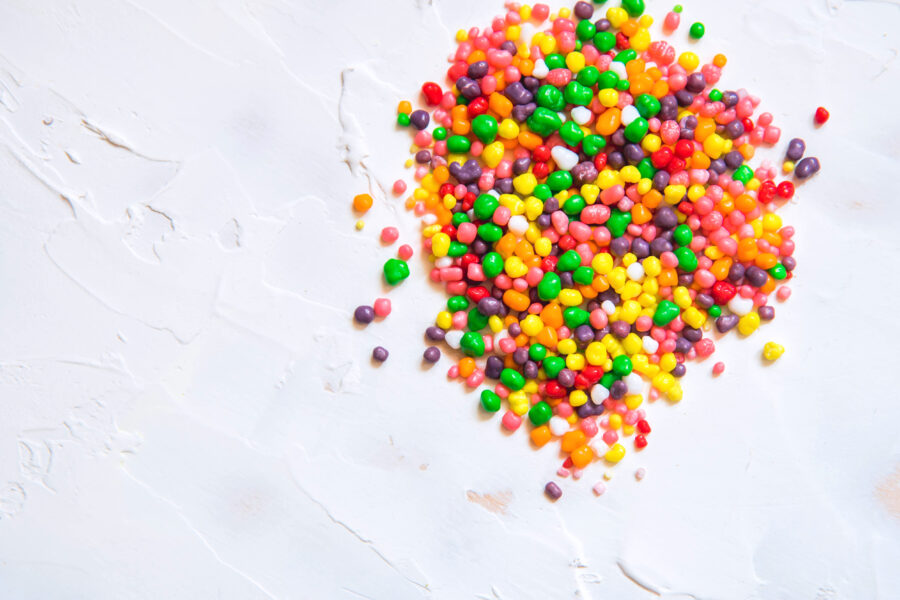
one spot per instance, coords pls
(585, 30)
(484, 206)
(542, 192)
(743, 174)
(571, 133)
(492, 264)
(588, 76)
(490, 232)
(623, 85)
(578, 94)
(553, 365)
(682, 235)
(458, 144)
(395, 271)
(537, 352)
(715, 311)
(512, 379)
(472, 344)
(604, 41)
(647, 105)
(555, 61)
(457, 249)
(574, 205)
(687, 260)
(485, 128)
(625, 56)
(476, 321)
(490, 401)
(543, 121)
(593, 144)
(550, 97)
(608, 379)
(540, 413)
(574, 317)
(559, 180)
(403, 120)
(457, 303)
(635, 8)
(646, 168)
(622, 365)
(666, 311)
(583, 276)
(618, 222)
(778, 272)
(697, 30)
(459, 218)
(607, 80)
(715, 95)
(439, 133)
(636, 130)
(569, 261)
(549, 287)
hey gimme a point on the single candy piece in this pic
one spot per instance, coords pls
(697, 30)
(490, 401)
(666, 311)
(395, 271)
(718, 368)
(389, 235)
(552, 490)
(472, 344)
(362, 202)
(807, 167)
(772, 351)
(382, 307)
(364, 314)
(432, 354)
(821, 115)
(540, 413)
(485, 128)
(380, 354)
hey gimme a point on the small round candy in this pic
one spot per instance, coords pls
(362, 202)
(432, 354)
(718, 368)
(821, 115)
(697, 30)
(364, 314)
(399, 187)
(382, 307)
(389, 235)
(380, 353)
(405, 252)
(552, 490)
(772, 351)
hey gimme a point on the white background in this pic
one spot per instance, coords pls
(187, 410)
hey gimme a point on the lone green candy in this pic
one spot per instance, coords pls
(682, 235)
(574, 205)
(537, 352)
(697, 30)
(457, 303)
(395, 271)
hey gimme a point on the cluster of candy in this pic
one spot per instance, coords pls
(587, 201)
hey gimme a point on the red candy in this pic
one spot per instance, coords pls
(432, 93)
(821, 115)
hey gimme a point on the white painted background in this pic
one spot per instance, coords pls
(186, 410)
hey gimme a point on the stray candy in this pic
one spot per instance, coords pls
(360, 224)
(364, 314)
(382, 307)
(399, 187)
(362, 202)
(395, 271)
(821, 115)
(772, 351)
(697, 30)
(432, 354)
(640, 474)
(389, 235)
(718, 368)
(380, 354)
(599, 488)
(552, 490)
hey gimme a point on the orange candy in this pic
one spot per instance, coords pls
(467, 366)
(541, 435)
(516, 300)
(572, 440)
(362, 202)
(582, 457)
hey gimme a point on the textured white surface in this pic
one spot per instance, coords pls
(186, 410)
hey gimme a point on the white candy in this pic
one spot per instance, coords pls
(558, 426)
(629, 114)
(540, 69)
(619, 69)
(582, 115)
(564, 158)
(634, 382)
(453, 338)
(500, 335)
(608, 307)
(740, 306)
(429, 219)
(563, 117)
(650, 345)
(443, 262)
(635, 271)
(599, 394)
(518, 224)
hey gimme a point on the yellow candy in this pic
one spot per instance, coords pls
(444, 320)
(566, 346)
(617, 278)
(663, 381)
(651, 143)
(602, 263)
(431, 230)
(575, 361)
(608, 97)
(748, 323)
(633, 401)
(640, 41)
(689, 61)
(615, 453)
(693, 317)
(508, 130)
(630, 174)
(569, 297)
(632, 343)
(629, 259)
(360, 224)
(616, 16)
(595, 353)
(575, 61)
(630, 291)
(577, 397)
(631, 310)
(524, 184)
(513, 32)
(787, 166)
(667, 362)
(590, 192)
(771, 222)
(440, 244)
(615, 421)
(674, 193)
(772, 351)
(493, 154)
(652, 266)
(714, 145)
(682, 296)
(513, 265)
(675, 393)
(495, 323)
(531, 325)
(608, 178)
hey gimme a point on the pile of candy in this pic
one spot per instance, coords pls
(587, 201)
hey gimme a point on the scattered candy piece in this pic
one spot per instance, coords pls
(364, 314)
(362, 202)
(432, 354)
(599, 488)
(821, 115)
(360, 224)
(382, 307)
(718, 368)
(640, 474)
(697, 30)
(399, 187)
(389, 235)
(552, 490)
(772, 351)
(405, 252)
(395, 271)
(380, 354)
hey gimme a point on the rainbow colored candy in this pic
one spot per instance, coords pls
(587, 203)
